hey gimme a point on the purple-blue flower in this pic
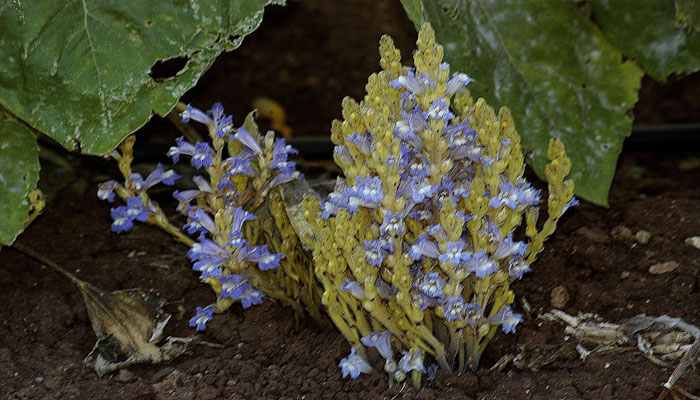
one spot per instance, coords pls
(376, 250)
(236, 239)
(517, 266)
(136, 181)
(381, 341)
(250, 254)
(408, 128)
(456, 83)
(342, 155)
(105, 191)
(411, 362)
(424, 247)
(283, 177)
(251, 297)
(195, 114)
(420, 190)
(222, 123)
(158, 175)
(280, 152)
(572, 203)
(423, 301)
(239, 165)
(202, 316)
(431, 285)
(440, 110)
(353, 288)
(416, 85)
(185, 197)
(479, 264)
(337, 200)
(233, 285)
(508, 319)
(267, 260)
(200, 221)
(515, 197)
(209, 266)
(209, 257)
(457, 308)
(122, 221)
(507, 247)
(362, 142)
(393, 224)
(454, 253)
(415, 167)
(367, 192)
(354, 365)
(248, 141)
(200, 152)
(240, 216)
(136, 209)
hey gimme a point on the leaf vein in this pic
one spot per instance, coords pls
(103, 100)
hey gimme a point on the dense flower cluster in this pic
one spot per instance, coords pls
(239, 170)
(420, 236)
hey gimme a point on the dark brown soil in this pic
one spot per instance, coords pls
(308, 56)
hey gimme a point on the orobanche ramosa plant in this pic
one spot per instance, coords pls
(246, 248)
(416, 248)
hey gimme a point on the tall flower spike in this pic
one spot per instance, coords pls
(439, 176)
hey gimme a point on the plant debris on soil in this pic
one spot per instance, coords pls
(308, 56)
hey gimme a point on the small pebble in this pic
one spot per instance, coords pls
(642, 237)
(625, 274)
(662, 268)
(595, 235)
(125, 376)
(622, 233)
(559, 297)
(529, 385)
(693, 241)
(39, 380)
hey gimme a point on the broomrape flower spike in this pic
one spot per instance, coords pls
(236, 213)
(432, 205)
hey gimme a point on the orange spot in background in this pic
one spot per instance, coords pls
(273, 111)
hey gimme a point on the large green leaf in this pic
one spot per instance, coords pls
(19, 173)
(688, 13)
(553, 68)
(78, 70)
(646, 30)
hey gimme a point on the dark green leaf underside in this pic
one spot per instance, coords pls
(19, 173)
(688, 14)
(647, 31)
(79, 71)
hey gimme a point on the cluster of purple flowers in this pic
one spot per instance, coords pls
(138, 207)
(354, 364)
(219, 249)
(215, 250)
